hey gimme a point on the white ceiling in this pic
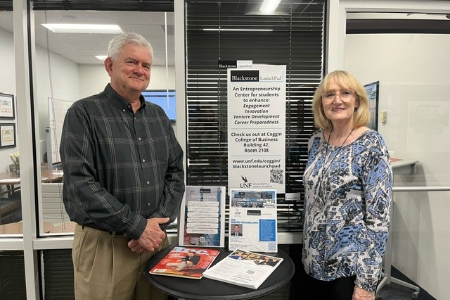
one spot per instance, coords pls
(82, 48)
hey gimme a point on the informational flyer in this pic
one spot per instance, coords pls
(202, 217)
(256, 127)
(244, 268)
(253, 220)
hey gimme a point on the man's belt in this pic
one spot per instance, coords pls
(97, 227)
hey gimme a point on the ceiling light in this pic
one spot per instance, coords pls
(101, 57)
(84, 28)
(235, 29)
(269, 6)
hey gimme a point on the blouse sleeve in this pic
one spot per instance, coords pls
(377, 182)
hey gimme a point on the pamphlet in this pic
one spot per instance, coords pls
(185, 262)
(202, 217)
(253, 220)
(244, 268)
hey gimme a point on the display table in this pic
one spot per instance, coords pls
(208, 289)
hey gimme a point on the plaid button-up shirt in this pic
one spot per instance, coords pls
(120, 167)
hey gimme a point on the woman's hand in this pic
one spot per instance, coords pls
(362, 294)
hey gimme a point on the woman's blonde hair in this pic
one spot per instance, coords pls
(345, 80)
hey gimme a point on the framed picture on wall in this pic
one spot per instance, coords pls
(7, 135)
(6, 106)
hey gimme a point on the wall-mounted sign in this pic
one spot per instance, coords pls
(256, 127)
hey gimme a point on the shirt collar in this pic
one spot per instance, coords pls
(118, 100)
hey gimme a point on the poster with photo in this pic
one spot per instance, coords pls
(253, 220)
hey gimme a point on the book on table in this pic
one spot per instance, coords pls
(244, 268)
(186, 262)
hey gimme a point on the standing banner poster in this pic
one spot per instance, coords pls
(256, 127)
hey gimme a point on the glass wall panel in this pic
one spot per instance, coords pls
(10, 188)
(68, 69)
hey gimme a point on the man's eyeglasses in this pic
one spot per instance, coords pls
(343, 94)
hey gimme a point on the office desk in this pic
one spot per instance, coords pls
(17, 228)
(10, 178)
(68, 227)
(208, 289)
(51, 176)
(403, 166)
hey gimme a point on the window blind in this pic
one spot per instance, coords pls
(12, 275)
(296, 40)
(58, 274)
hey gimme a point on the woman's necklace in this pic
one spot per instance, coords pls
(319, 202)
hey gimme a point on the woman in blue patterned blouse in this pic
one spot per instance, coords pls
(348, 194)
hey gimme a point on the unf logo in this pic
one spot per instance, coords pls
(245, 184)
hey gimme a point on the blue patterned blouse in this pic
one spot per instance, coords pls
(348, 194)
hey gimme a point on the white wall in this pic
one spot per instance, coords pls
(93, 79)
(57, 78)
(7, 74)
(414, 88)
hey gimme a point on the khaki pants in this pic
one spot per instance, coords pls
(106, 269)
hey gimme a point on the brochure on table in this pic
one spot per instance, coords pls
(253, 220)
(202, 217)
(244, 268)
(186, 262)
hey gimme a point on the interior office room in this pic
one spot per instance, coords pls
(43, 77)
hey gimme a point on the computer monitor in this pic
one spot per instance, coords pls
(165, 99)
(373, 90)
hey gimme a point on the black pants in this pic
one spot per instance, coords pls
(303, 286)
(339, 289)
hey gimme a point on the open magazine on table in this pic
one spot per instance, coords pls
(244, 268)
(186, 262)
